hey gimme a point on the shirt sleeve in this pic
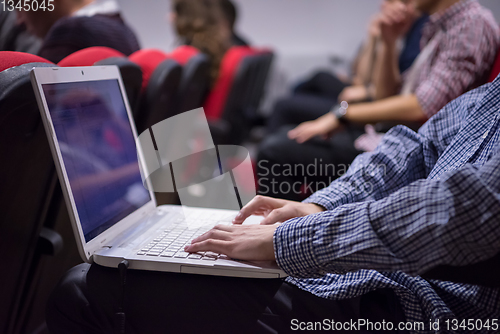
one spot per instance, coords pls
(465, 60)
(452, 221)
(397, 161)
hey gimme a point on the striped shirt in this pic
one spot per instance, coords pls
(419, 200)
(463, 57)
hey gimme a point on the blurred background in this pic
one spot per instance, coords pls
(304, 34)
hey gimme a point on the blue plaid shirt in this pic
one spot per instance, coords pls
(419, 200)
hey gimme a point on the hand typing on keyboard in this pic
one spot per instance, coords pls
(275, 210)
(171, 240)
(242, 242)
(251, 242)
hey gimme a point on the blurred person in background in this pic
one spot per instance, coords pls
(73, 25)
(13, 35)
(459, 44)
(201, 24)
(315, 96)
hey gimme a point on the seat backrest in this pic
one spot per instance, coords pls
(89, 56)
(99, 55)
(236, 95)
(195, 79)
(228, 83)
(496, 68)
(183, 54)
(161, 79)
(257, 66)
(28, 181)
(264, 61)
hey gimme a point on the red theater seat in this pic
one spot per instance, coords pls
(218, 96)
(183, 54)
(161, 78)
(12, 59)
(232, 103)
(90, 56)
(148, 60)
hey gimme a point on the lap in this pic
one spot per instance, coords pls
(289, 170)
(323, 84)
(296, 109)
(156, 302)
(337, 150)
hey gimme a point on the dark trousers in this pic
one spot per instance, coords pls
(296, 109)
(311, 99)
(286, 169)
(88, 297)
(323, 84)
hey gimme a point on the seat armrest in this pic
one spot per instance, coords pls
(49, 242)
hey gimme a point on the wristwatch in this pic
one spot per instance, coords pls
(340, 111)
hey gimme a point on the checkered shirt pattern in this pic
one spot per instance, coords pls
(419, 200)
(463, 58)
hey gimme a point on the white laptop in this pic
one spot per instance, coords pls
(93, 140)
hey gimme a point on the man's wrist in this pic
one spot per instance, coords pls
(291, 247)
(317, 207)
(320, 202)
(276, 245)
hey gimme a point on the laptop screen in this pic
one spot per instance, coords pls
(98, 149)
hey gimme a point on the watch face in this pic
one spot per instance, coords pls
(341, 111)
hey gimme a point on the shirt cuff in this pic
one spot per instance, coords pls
(321, 200)
(294, 254)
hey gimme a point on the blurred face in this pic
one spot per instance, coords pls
(37, 23)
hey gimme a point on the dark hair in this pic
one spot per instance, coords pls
(229, 11)
(199, 23)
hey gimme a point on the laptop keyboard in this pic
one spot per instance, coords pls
(171, 241)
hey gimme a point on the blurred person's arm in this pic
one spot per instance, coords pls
(397, 108)
(356, 93)
(386, 76)
(363, 65)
